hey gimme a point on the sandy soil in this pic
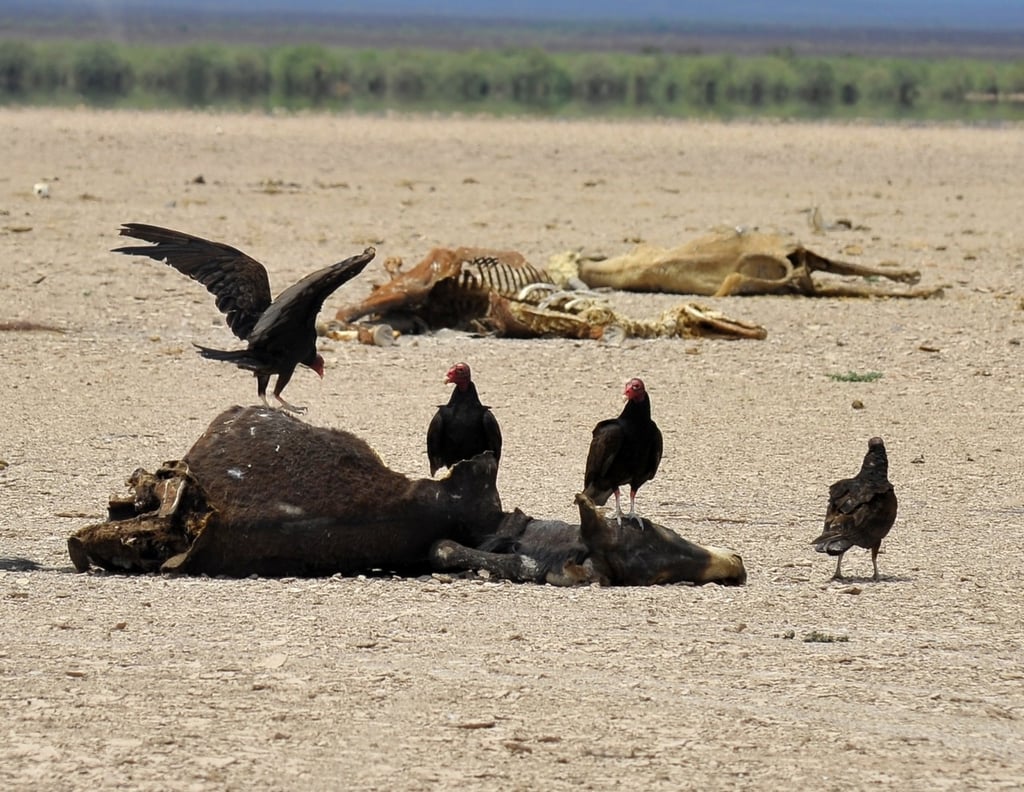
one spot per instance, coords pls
(166, 684)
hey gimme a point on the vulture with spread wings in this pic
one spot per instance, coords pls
(280, 333)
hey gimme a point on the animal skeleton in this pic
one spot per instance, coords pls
(590, 318)
(481, 289)
(448, 288)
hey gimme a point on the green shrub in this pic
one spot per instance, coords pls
(853, 376)
(17, 60)
(99, 72)
(532, 80)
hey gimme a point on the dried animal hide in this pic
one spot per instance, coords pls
(588, 318)
(161, 519)
(448, 288)
(733, 261)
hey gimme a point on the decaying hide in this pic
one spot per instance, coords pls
(448, 288)
(732, 261)
(590, 318)
(261, 492)
(162, 517)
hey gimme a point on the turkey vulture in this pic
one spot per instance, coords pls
(463, 427)
(281, 333)
(861, 510)
(624, 450)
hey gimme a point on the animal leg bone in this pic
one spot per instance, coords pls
(447, 554)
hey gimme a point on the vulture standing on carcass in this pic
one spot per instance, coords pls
(861, 510)
(624, 450)
(463, 427)
(281, 333)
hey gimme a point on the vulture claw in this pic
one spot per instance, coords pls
(292, 408)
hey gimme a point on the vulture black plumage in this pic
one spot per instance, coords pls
(463, 427)
(280, 333)
(861, 510)
(624, 450)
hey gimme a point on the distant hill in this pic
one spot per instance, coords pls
(906, 14)
(989, 29)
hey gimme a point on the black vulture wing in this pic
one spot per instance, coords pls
(492, 432)
(844, 515)
(435, 441)
(846, 496)
(859, 513)
(654, 453)
(604, 449)
(295, 309)
(239, 283)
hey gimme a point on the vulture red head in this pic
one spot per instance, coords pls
(635, 390)
(460, 376)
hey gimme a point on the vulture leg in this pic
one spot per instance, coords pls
(874, 561)
(289, 407)
(838, 573)
(262, 380)
(632, 508)
(618, 507)
(282, 380)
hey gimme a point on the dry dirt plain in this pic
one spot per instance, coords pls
(153, 683)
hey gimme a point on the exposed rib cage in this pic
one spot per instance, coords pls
(452, 288)
(484, 274)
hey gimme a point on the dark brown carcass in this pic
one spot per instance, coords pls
(280, 497)
(263, 493)
(598, 550)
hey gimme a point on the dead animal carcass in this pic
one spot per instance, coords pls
(742, 262)
(448, 288)
(500, 292)
(263, 493)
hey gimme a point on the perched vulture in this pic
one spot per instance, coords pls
(624, 450)
(861, 510)
(281, 333)
(463, 427)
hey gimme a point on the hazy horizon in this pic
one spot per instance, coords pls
(996, 15)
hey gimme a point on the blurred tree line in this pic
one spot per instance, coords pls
(313, 76)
